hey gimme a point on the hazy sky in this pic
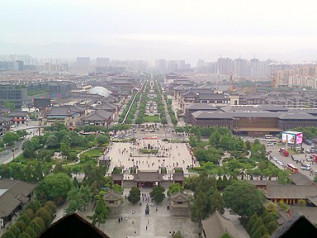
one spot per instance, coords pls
(158, 28)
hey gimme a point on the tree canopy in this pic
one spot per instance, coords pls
(243, 198)
(54, 187)
(157, 194)
(134, 195)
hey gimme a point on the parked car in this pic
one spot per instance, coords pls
(284, 152)
(306, 167)
(308, 142)
(295, 159)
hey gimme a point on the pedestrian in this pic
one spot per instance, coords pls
(145, 227)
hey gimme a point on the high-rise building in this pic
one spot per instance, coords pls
(241, 67)
(83, 61)
(160, 65)
(102, 62)
(13, 93)
(11, 65)
(225, 66)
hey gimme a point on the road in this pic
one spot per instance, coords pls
(287, 160)
(8, 155)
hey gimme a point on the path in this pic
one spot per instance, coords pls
(126, 115)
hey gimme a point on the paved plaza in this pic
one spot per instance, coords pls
(169, 155)
(157, 224)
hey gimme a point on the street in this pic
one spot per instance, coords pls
(8, 154)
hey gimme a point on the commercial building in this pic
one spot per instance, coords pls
(252, 120)
(13, 93)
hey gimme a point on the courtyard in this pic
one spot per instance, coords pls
(159, 223)
(150, 155)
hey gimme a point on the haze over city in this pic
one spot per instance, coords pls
(179, 29)
(158, 119)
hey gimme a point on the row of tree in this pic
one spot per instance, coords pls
(142, 104)
(170, 111)
(260, 226)
(33, 220)
(160, 105)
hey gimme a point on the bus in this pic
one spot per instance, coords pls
(268, 137)
(292, 168)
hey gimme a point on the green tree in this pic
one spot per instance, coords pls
(301, 203)
(34, 204)
(8, 234)
(251, 222)
(157, 194)
(24, 235)
(174, 188)
(21, 225)
(102, 139)
(15, 230)
(64, 149)
(101, 212)
(9, 138)
(271, 226)
(217, 203)
(24, 218)
(260, 232)
(200, 207)
(44, 215)
(31, 232)
(117, 188)
(9, 105)
(214, 138)
(177, 235)
(52, 142)
(192, 141)
(283, 205)
(34, 226)
(283, 177)
(243, 198)
(54, 187)
(21, 133)
(225, 235)
(78, 198)
(134, 195)
(49, 205)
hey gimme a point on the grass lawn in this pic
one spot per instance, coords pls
(35, 92)
(146, 151)
(81, 165)
(93, 153)
(77, 149)
(151, 119)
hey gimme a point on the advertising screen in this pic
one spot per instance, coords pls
(288, 138)
(292, 137)
(299, 138)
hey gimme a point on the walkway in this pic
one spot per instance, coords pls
(158, 223)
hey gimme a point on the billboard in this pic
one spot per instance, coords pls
(292, 137)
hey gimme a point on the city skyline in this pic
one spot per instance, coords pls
(160, 29)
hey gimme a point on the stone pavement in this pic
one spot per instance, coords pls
(158, 223)
(170, 155)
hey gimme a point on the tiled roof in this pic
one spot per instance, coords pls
(14, 195)
(216, 225)
(98, 115)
